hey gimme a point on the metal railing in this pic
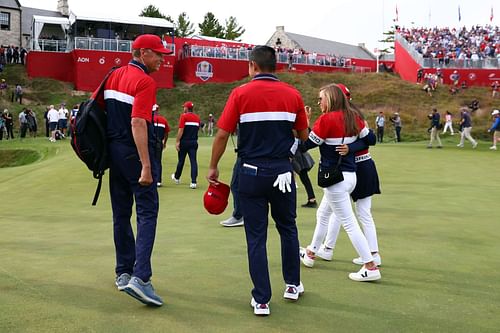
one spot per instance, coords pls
(49, 45)
(86, 43)
(281, 57)
(215, 52)
(103, 44)
(487, 63)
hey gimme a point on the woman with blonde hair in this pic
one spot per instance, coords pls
(339, 125)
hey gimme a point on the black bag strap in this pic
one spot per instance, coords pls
(98, 176)
(100, 90)
(97, 190)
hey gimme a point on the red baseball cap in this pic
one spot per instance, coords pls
(345, 90)
(188, 105)
(216, 198)
(152, 42)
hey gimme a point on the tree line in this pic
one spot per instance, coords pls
(210, 26)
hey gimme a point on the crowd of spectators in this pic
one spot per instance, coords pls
(300, 56)
(288, 56)
(467, 46)
(11, 54)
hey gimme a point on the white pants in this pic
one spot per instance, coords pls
(447, 125)
(466, 135)
(337, 200)
(496, 137)
(363, 210)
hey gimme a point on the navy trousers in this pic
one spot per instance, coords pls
(133, 255)
(257, 194)
(158, 157)
(190, 149)
(235, 180)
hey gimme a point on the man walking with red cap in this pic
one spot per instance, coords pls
(129, 96)
(187, 143)
(266, 111)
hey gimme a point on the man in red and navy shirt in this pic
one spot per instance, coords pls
(267, 112)
(129, 96)
(162, 129)
(187, 143)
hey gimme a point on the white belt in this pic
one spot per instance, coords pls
(362, 158)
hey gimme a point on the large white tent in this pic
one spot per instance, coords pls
(137, 20)
(40, 21)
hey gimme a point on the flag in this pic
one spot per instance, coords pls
(491, 15)
(459, 15)
(397, 14)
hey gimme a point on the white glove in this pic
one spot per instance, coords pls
(283, 182)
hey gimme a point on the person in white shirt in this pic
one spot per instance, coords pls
(380, 123)
(53, 118)
(63, 119)
(448, 124)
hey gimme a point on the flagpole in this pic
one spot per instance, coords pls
(383, 23)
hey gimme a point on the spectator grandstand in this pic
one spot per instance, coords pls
(478, 47)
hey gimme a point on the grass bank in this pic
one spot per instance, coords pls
(436, 221)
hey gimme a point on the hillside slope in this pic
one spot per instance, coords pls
(371, 92)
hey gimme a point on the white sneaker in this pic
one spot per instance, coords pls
(474, 145)
(293, 292)
(376, 259)
(365, 274)
(325, 253)
(305, 258)
(460, 145)
(176, 181)
(192, 185)
(260, 309)
(493, 148)
(158, 184)
(232, 222)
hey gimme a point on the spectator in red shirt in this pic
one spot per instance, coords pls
(494, 89)
(162, 129)
(187, 143)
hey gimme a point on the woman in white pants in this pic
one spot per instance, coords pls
(366, 186)
(448, 123)
(338, 125)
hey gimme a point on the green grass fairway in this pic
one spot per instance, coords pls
(438, 225)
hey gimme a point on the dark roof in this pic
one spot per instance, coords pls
(14, 4)
(388, 57)
(28, 14)
(323, 46)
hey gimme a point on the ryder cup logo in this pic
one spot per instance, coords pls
(204, 70)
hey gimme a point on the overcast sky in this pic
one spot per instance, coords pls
(352, 22)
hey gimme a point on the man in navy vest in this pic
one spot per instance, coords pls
(129, 96)
(187, 143)
(162, 129)
(267, 112)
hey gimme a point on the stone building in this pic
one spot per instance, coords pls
(10, 22)
(16, 21)
(288, 40)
